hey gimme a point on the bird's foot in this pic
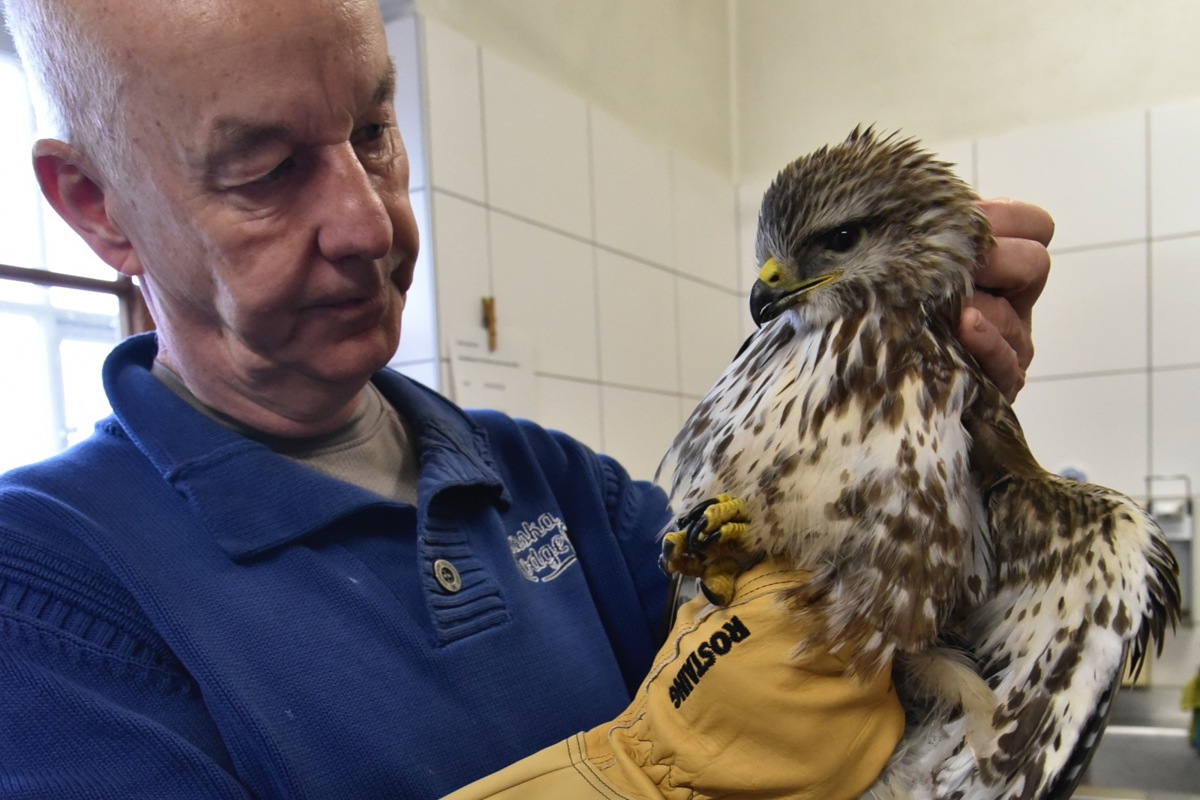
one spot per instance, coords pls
(706, 543)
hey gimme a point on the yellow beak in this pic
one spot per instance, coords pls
(773, 292)
(771, 273)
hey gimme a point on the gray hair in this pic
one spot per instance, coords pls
(76, 83)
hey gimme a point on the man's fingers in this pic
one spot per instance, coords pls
(996, 356)
(1000, 317)
(997, 328)
(1017, 266)
(1018, 220)
(1015, 269)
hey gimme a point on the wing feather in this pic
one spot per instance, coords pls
(1084, 578)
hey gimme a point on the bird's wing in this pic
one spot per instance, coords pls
(1083, 575)
(1063, 787)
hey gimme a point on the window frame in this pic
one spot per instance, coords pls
(60, 325)
(132, 310)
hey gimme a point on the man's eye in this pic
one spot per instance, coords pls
(276, 174)
(369, 133)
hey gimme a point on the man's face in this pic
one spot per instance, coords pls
(268, 202)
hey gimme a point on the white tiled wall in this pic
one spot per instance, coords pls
(705, 224)
(627, 265)
(455, 112)
(638, 346)
(1174, 170)
(711, 338)
(1092, 174)
(1175, 334)
(1123, 300)
(1114, 389)
(615, 258)
(1094, 424)
(639, 425)
(1092, 315)
(528, 261)
(632, 191)
(536, 146)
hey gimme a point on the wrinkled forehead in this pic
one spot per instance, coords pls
(191, 64)
(135, 27)
(221, 45)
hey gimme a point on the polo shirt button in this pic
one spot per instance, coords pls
(447, 576)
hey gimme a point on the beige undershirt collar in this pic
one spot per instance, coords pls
(372, 450)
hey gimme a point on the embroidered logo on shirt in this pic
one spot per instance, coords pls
(541, 548)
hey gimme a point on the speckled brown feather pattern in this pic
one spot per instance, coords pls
(871, 451)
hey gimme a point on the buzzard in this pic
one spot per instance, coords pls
(866, 446)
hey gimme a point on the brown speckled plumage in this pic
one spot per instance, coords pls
(870, 449)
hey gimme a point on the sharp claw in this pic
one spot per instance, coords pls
(712, 596)
(707, 544)
(666, 556)
(696, 518)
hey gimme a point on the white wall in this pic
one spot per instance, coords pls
(743, 86)
(1114, 389)
(660, 66)
(946, 69)
(612, 255)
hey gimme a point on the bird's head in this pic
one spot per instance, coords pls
(873, 217)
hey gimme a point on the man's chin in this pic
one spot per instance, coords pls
(348, 361)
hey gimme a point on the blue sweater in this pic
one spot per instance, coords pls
(184, 613)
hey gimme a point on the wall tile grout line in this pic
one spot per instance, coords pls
(588, 241)
(675, 293)
(595, 257)
(1102, 373)
(1149, 164)
(487, 194)
(1177, 367)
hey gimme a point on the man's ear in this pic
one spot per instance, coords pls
(69, 183)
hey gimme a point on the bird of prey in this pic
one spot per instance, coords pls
(868, 448)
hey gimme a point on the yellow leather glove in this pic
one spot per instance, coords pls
(727, 710)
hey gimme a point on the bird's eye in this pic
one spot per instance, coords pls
(841, 238)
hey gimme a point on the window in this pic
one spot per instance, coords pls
(61, 308)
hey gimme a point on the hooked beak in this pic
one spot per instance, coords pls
(774, 292)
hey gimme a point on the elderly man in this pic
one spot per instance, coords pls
(277, 571)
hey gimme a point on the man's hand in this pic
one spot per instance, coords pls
(728, 709)
(997, 325)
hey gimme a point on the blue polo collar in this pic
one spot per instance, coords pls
(253, 500)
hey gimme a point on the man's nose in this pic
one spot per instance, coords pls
(354, 221)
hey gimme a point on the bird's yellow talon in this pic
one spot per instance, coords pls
(709, 546)
(677, 556)
(727, 516)
(718, 588)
